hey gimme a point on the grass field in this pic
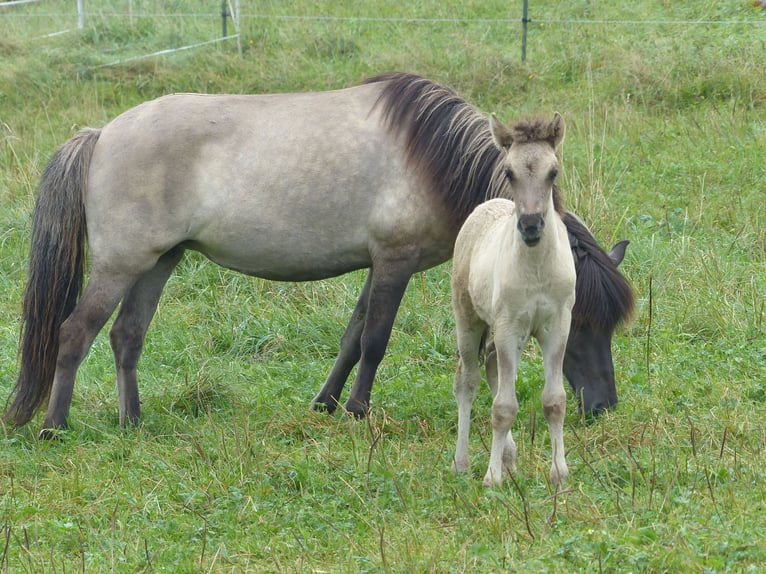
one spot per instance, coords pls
(231, 471)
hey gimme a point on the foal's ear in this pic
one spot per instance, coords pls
(557, 130)
(617, 253)
(500, 133)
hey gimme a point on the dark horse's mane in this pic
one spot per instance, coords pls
(603, 297)
(447, 140)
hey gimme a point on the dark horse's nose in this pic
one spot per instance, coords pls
(531, 227)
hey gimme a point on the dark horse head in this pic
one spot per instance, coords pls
(604, 299)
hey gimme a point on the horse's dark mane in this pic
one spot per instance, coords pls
(603, 297)
(447, 140)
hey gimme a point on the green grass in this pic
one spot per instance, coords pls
(230, 471)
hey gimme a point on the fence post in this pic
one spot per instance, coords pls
(80, 15)
(524, 22)
(224, 14)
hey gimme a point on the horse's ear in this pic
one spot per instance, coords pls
(617, 253)
(557, 130)
(500, 133)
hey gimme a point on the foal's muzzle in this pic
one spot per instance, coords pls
(531, 228)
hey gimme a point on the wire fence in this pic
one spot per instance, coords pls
(229, 12)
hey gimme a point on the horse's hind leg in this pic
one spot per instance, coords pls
(129, 330)
(348, 355)
(387, 287)
(102, 294)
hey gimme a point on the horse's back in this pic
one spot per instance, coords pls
(284, 186)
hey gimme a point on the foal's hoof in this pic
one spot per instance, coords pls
(492, 481)
(558, 476)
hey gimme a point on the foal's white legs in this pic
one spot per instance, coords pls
(467, 379)
(505, 407)
(553, 344)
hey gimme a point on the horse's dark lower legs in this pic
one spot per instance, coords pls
(76, 336)
(348, 355)
(129, 331)
(386, 291)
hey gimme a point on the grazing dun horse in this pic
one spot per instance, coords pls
(288, 187)
(514, 273)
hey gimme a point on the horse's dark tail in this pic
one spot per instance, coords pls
(56, 263)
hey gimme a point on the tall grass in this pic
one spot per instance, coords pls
(230, 471)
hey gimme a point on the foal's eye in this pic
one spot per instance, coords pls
(509, 174)
(552, 174)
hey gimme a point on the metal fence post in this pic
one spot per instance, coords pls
(224, 14)
(524, 22)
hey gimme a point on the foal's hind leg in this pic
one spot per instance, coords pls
(129, 330)
(348, 355)
(388, 283)
(98, 301)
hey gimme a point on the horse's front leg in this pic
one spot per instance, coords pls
(387, 285)
(553, 346)
(348, 355)
(505, 406)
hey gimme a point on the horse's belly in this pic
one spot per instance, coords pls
(285, 261)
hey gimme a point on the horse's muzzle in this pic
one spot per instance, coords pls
(531, 228)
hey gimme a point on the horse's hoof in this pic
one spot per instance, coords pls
(323, 406)
(357, 409)
(50, 434)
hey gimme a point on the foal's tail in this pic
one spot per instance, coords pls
(56, 262)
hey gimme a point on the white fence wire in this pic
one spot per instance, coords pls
(232, 11)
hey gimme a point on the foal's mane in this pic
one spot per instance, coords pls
(603, 297)
(448, 142)
(527, 131)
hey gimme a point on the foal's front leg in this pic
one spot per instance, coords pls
(505, 407)
(554, 397)
(467, 379)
